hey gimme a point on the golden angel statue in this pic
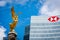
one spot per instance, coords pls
(15, 20)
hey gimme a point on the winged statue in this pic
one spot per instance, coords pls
(15, 20)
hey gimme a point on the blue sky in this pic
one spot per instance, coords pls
(28, 8)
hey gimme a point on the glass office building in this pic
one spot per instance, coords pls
(42, 29)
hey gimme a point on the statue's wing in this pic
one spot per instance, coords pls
(14, 16)
(12, 10)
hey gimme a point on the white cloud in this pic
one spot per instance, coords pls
(42, 1)
(22, 2)
(2, 32)
(50, 7)
(7, 0)
(2, 3)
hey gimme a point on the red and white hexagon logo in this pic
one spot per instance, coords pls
(53, 19)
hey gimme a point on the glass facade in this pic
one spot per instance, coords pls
(42, 29)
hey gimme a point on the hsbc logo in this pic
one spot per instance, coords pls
(53, 18)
